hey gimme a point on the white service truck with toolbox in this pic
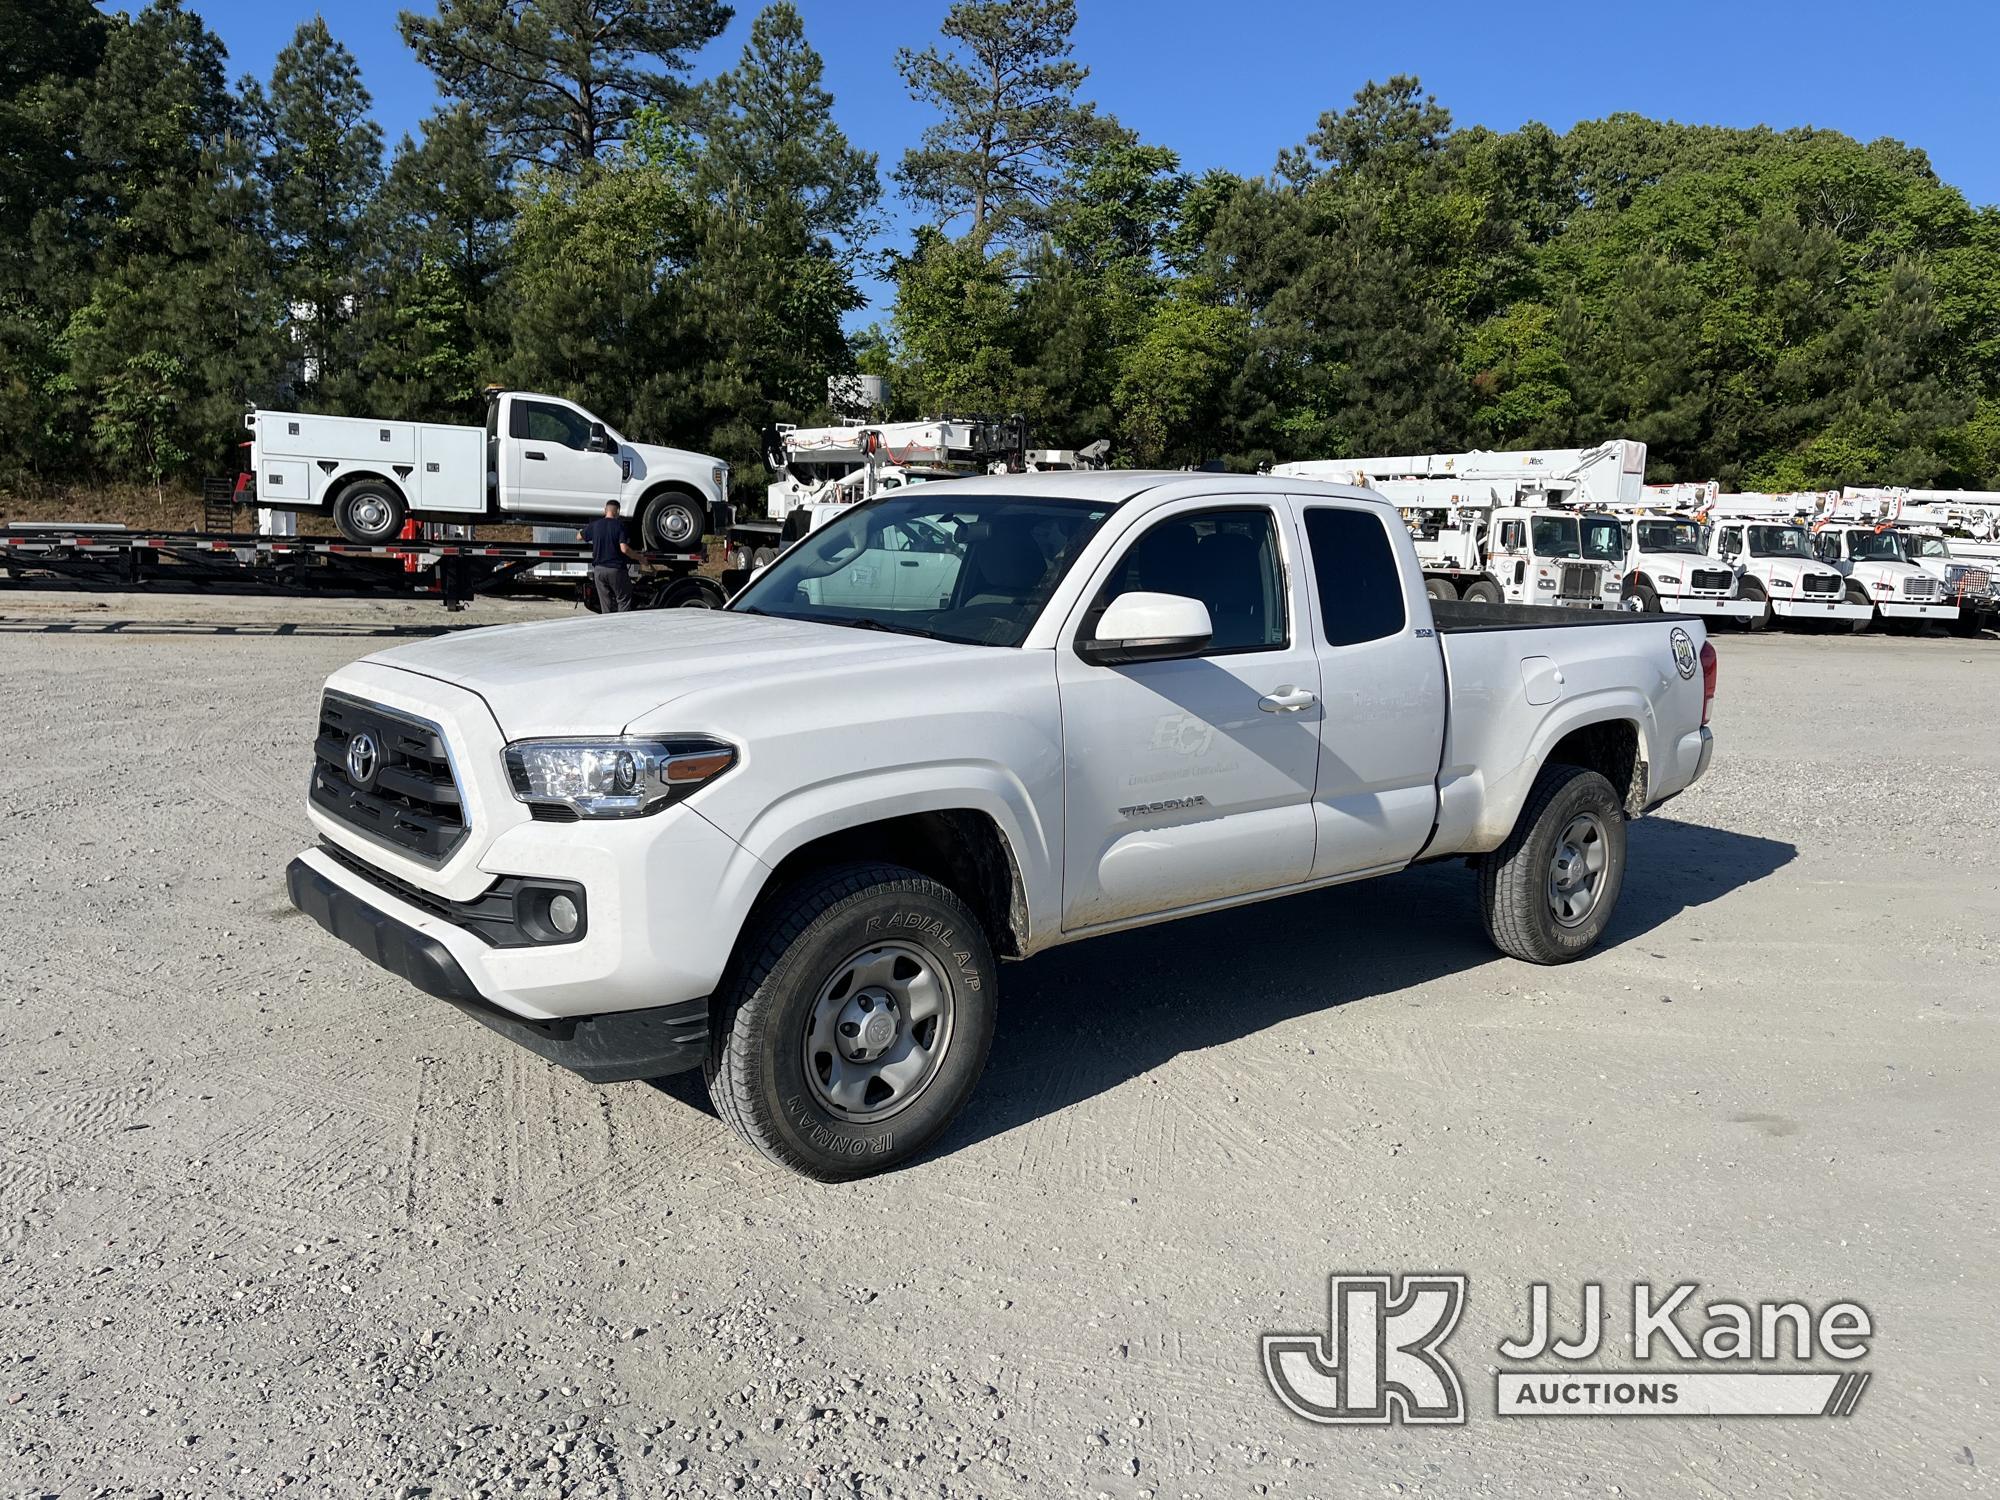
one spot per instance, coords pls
(538, 458)
(785, 842)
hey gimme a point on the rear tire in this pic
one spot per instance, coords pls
(1441, 588)
(369, 512)
(1548, 893)
(1482, 591)
(818, 966)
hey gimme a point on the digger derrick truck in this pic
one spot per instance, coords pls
(1534, 527)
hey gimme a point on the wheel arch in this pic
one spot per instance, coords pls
(962, 848)
(343, 480)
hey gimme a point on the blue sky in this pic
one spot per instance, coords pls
(1227, 85)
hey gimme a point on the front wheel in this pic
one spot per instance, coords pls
(1643, 600)
(1753, 590)
(671, 523)
(1856, 594)
(855, 1022)
(369, 513)
(1547, 894)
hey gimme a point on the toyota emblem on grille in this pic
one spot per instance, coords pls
(364, 759)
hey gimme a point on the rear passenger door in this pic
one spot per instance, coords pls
(1191, 781)
(1382, 691)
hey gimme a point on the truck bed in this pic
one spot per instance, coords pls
(1456, 617)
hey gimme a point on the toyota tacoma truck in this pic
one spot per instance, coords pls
(785, 842)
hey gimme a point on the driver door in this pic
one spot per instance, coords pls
(1192, 780)
(550, 468)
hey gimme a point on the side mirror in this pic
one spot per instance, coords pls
(600, 440)
(1148, 627)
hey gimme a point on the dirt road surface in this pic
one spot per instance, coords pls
(272, 1222)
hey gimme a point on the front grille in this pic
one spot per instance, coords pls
(1578, 581)
(1708, 578)
(409, 799)
(1973, 581)
(1920, 588)
(1821, 583)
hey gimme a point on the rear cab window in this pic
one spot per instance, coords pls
(1354, 565)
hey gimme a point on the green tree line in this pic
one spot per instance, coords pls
(584, 215)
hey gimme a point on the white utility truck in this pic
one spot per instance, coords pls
(1872, 555)
(785, 841)
(538, 458)
(1530, 527)
(1766, 538)
(1667, 566)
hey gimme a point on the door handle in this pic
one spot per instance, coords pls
(1287, 700)
(531, 453)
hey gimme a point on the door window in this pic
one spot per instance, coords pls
(1360, 591)
(1512, 537)
(545, 422)
(1228, 559)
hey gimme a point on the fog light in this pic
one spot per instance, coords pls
(562, 914)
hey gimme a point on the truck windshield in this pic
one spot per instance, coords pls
(1779, 541)
(1875, 546)
(1669, 536)
(1598, 537)
(977, 570)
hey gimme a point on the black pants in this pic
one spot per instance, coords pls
(614, 589)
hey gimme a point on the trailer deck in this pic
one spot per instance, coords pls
(452, 570)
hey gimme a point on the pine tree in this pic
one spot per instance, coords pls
(321, 164)
(561, 80)
(1006, 86)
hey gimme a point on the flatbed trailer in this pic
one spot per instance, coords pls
(452, 571)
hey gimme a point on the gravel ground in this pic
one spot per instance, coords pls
(272, 1222)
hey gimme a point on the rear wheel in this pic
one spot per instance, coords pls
(1547, 894)
(1441, 588)
(1483, 591)
(855, 1022)
(369, 512)
(671, 523)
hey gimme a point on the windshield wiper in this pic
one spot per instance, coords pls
(869, 622)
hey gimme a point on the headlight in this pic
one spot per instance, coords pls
(1668, 577)
(1781, 583)
(720, 474)
(614, 778)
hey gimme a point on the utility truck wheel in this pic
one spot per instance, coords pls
(763, 557)
(1440, 588)
(671, 523)
(1547, 894)
(1644, 599)
(369, 512)
(1856, 594)
(1753, 589)
(1484, 591)
(854, 1021)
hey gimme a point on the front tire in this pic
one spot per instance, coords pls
(1548, 893)
(369, 513)
(671, 523)
(855, 1022)
(1645, 599)
(1856, 594)
(1753, 589)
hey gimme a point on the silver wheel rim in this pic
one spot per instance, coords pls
(675, 524)
(370, 513)
(1577, 868)
(878, 1033)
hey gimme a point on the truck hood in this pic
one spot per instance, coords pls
(598, 674)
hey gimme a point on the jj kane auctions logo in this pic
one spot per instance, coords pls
(1381, 1357)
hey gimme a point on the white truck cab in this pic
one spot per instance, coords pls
(1765, 538)
(1878, 570)
(1668, 567)
(538, 458)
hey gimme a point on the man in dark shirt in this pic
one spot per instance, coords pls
(608, 551)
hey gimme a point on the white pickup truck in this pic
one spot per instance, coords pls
(785, 841)
(538, 458)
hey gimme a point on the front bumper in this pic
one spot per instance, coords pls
(1912, 609)
(609, 1048)
(1708, 604)
(1821, 609)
